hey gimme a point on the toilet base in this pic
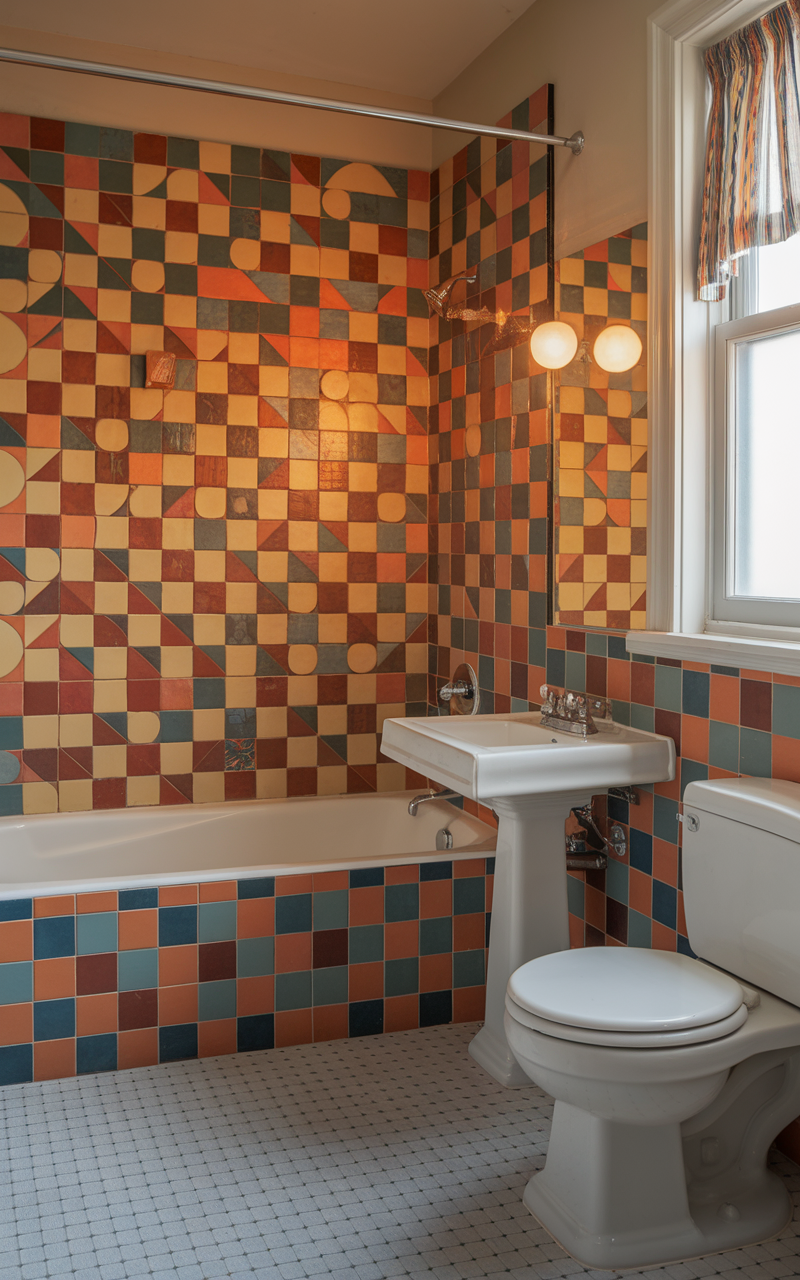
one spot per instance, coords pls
(490, 1050)
(615, 1195)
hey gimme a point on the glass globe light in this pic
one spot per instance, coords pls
(553, 344)
(617, 348)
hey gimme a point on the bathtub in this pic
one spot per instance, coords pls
(191, 844)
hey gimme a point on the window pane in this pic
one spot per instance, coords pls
(766, 472)
(779, 275)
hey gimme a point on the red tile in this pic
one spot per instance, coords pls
(469, 1004)
(366, 981)
(401, 939)
(330, 1022)
(435, 973)
(401, 1013)
(137, 1048)
(294, 1026)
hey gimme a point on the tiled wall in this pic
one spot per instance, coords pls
(219, 591)
(106, 980)
(489, 418)
(600, 473)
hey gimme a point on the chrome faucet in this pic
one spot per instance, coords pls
(571, 712)
(430, 795)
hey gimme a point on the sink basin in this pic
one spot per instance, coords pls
(531, 776)
(488, 757)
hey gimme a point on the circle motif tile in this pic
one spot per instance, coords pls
(10, 648)
(143, 726)
(147, 277)
(13, 295)
(13, 218)
(210, 503)
(362, 657)
(332, 416)
(391, 507)
(108, 498)
(302, 659)
(12, 598)
(12, 477)
(13, 344)
(335, 384)
(112, 434)
(302, 597)
(336, 204)
(42, 564)
(246, 254)
(44, 266)
(9, 767)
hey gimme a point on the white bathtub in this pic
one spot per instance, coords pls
(188, 844)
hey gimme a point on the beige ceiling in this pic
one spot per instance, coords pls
(411, 47)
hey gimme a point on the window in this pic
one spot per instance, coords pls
(724, 553)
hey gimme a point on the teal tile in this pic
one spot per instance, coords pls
(469, 895)
(16, 982)
(576, 894)
(620, 711)
(255, 957)
(596, 643)
(97, 933)
(668, 689)
(575, 671)
(330, 909)
(401, 977)
(293, 991)
(138, 970)
(366, 943)
(469, 968)
(642, 717)
(436, 936)
(330, 985)
(723, 745)
(640, 929)
(665, 818)
(692, 771)
(617, 880)
(786, 710)
(216, 921)
(755, 753)
(217, 1000)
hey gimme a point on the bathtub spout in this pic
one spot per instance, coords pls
(430, 795)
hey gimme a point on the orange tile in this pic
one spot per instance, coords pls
(576, 931)
(469, 867)
(435, 973)
(285, 885)
(96, 1014)
(137, 1048)
(786, 758)
(218, 891)
(665, 862)
(640, 892)
(177, 895)
(177, 965)
(294, 1026)
(138, 929)
(724, 699)
(765, 676)
(681, 915)
(664, 939)
(641, 814)
(292, 952)
(595, 908)
(469, 1004)
(145, 468)
(330, 1022)
(16, 1024)
(16, 941)
(402, 875)
(216, 1037)
(435, 898)
(54, 979)
(619, 679)
(366, 981)
(325, 881)
(401, 1013)
(255, 995)
(469, 932)
(87, 902)
(64, 905)
(779, 679)
(401, 939)
(694, 738)
(53, 1059)
(177, 1005)
(255, 917)
(366, 905)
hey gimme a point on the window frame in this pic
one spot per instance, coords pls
(681, 355)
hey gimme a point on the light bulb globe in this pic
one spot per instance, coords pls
(553, 344)
(617, 348)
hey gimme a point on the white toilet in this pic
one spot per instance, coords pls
(672, 1077)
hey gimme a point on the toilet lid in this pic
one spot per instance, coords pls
(624, 989)
(629, 1039)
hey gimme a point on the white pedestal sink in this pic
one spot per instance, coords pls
(531, 776)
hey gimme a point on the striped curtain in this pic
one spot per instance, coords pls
(751, 194)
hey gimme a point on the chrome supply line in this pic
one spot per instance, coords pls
(167, 81)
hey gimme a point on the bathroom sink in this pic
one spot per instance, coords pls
(531, 776)
(488, 757)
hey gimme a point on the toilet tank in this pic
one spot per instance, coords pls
(741, 879)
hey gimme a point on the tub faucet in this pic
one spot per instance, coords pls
(430, 795)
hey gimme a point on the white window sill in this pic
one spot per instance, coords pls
(725, 651)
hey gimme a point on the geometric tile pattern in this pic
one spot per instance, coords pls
(600, 479)
(395, 1156)
(216, 591)
(491, 213)
(95, 981)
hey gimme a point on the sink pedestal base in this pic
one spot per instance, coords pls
(529, 911)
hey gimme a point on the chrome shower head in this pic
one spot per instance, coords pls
(438, 299)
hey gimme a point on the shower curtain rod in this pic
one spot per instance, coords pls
(165, 80)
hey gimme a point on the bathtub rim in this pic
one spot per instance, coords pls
(57, 888)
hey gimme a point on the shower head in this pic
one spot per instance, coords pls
(438, 299)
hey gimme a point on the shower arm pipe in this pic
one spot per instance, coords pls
(168, 81)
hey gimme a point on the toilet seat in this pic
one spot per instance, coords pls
(626, 997)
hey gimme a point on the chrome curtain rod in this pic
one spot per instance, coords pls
(54, 63)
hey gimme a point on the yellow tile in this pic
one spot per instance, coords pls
(145, 501)
(638, 306)
(272, 628)
(209, 724)
(570, 484)
(110, 695)
(113, 370)
(570, 454)
(271, 784)
(301, 752)
(180, 311)
(177, 597)
(333, 506)
(242, 535)
(111, 597)
(639, 485)
(618, 595)
(638, 568)
(273, 566)
(304, 260)
(42, 497)
(80, 269)
(176, 757)
(243, 411)
(595, 302)
(212, 376)
(332, 630)
(595, 568)
(211, 441)
(363, 328)
(572, 400)
(80, 335)
(77, 401)
(362, 597)
(243, 348)
(416, 658)
(392, 626)
(114, 304)
(13, 395)
(332, 566)
(570, 595)
(275, 227)
(305, 199)
(114, 242)
(570, 271)
(639, 253)
(241, 597)
(209, 566)
(110, 663)
(639, 431)
(620, 273)
(273, 381)
(181, 246)
(176, 661)
(393, 269)
(143, 789)
(334, 264)
(81, 206)
(302, 535)
(363, 477)
(213, 219)
(619, 541)
(364, 237)
(178, 469)
(362, 537)
(209, 628)
(364, 387)
(147, 337)
(144, 629)
(149, 211)
(240, 691)
(77, 467)
(391, 359)
(418, 214)
(619, 404)
(240, 659)
(273, 504)
(39, 797)
(215, 157)
(638, 514)
(75, 795)
(619, 457)
(302, 474)
(271, 722)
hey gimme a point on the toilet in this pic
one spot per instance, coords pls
(672, 1075)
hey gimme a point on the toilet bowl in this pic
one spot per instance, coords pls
(671, 1076)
